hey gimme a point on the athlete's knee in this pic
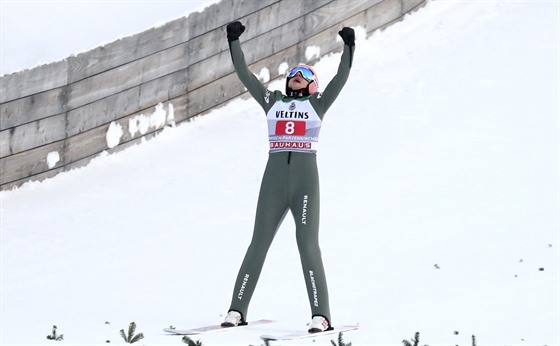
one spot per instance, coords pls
(308, 246)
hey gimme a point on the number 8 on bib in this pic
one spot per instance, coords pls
(290, 128)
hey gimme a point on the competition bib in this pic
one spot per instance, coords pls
(293, 126)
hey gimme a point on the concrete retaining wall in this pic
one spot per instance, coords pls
(59, 116)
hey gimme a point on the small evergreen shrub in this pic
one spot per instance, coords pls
(414, 341)
(340, 341)
(131, 338)
(54, 336)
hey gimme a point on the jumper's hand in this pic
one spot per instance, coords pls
(234, 30)
(348, 36)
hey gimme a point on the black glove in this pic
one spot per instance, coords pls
(234, 30)
(347, 35)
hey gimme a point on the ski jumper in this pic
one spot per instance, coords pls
(290, 181)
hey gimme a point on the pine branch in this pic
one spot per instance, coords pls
(123, 335)
(340, 341)
(54, 336)
(131, 330)
(137, 338)
(190, 341)
(415, 340)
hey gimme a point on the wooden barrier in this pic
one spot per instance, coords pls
(59, 116)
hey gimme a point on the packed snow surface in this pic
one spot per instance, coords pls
(439, 178)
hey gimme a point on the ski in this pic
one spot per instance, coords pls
(304, 334)
(213, 328)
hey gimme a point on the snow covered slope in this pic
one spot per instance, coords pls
(439, 176)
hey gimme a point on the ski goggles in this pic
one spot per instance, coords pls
(305, 72)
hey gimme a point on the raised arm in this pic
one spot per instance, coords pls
(252, 83)
(323, 102)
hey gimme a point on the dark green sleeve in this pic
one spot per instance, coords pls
(260, 93)
(322, 102)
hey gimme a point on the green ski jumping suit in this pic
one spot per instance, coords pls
(290, 181)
